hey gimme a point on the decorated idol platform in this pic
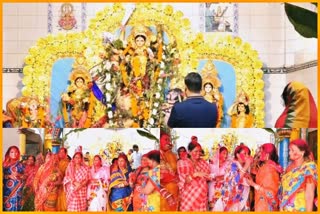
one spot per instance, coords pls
(127, 70)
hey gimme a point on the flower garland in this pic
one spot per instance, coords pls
(107, 74)
(168, 68)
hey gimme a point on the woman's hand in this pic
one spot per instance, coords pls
(250, 181)
(138, 188)
(248, 162)
(14, 176)
(219, 178)
(201, 175)
(123, 184)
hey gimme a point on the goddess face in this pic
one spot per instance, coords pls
(241, 108)
(79, 82)
(33, 108)
(208, 88)
(140, 41)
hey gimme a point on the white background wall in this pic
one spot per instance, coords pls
(264, 25)
(10, 137)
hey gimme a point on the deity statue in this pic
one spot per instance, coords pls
(239, 112)
(138, 69)
(78, 100)
(27, 112)
(211, 85)
(137, 55)
(131, 72)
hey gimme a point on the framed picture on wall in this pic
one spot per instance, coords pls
(219, 17)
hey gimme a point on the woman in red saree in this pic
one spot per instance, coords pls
(75, 183)
(28, 191)
(267, 180)
(139, 178)
(300, 109)
(46, 184)
(193, 176)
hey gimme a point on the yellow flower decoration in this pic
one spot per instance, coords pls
(237, 41)
(246, 47)
(259, 104)
(185, 22)
(27, 80)
(168, 10)
(258, 73)
(29, 60)
(117, 6)
(257, 64)
(259, 94)
(27, 70)
(178, 14)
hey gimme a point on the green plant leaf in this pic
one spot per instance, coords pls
(65, 137)
(270, 130)
(147, 134)
(303, 20)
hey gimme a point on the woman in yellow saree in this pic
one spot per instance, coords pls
(300, 179)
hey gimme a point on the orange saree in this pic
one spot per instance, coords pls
(268, 178)
(169, 179)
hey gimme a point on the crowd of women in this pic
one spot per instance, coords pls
(56, 183)
(237, 182)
